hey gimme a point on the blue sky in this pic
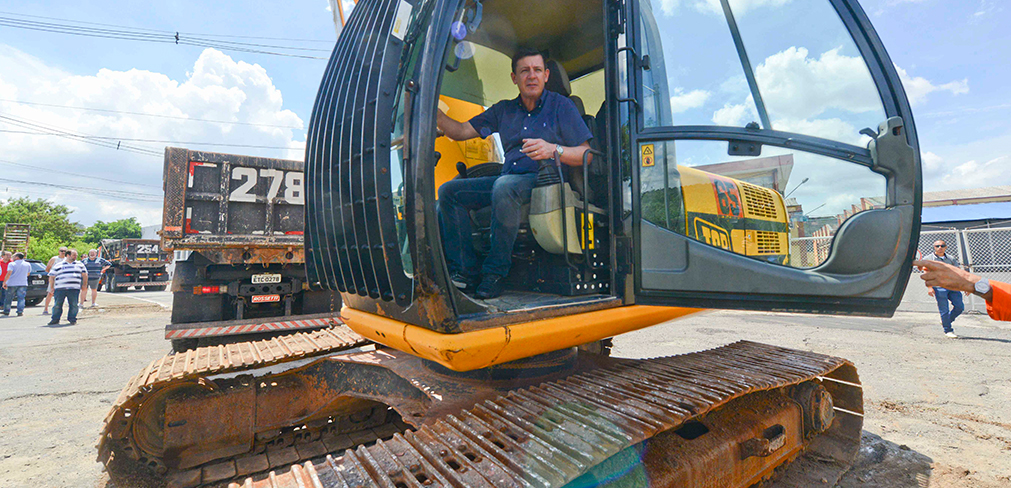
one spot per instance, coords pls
(954, 53)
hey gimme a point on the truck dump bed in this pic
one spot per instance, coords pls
(226, 205)
(240, 219)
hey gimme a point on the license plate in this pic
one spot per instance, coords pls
(266, 298)
(38, 282)
(266, 278)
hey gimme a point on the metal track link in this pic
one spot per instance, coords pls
(195, 364)
(549, 435)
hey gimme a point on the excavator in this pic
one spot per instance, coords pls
(707, 110)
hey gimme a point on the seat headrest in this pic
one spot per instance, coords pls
(558, 79)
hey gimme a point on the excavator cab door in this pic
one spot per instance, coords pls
(771, 161)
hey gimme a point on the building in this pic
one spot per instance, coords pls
(968, 208)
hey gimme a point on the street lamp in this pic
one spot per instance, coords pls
(795, 188)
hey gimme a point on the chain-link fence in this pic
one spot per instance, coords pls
(986, 252)
(808, 252)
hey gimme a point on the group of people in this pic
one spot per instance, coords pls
(69, 281)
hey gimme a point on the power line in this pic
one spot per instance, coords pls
(167, 31)
(177, 117)
(61, 172)
(24, 123)
(163, 38)
(181, 143)
(100, 191)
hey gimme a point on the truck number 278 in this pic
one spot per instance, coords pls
(294, 185)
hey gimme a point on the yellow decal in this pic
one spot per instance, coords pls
(588, 232)
(647, 156)
(712, 234)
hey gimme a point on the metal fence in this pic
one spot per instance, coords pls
(986, 252)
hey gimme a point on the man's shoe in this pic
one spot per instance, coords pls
(464, 283)
(54, 322)
(951, 335)
(5, 313)
(73, 323)
(490, 287)
(20, 314)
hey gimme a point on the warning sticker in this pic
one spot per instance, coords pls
(647, 156)
(400, 22)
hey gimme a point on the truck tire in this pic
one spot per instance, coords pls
(182, 345)
(111, 284)
(154, 288)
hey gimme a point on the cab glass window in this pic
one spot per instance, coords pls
(810, 74)
(694, 76)
(782, 207)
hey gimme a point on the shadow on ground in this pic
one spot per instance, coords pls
(882, 463)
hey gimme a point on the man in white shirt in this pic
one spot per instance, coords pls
(68, 278)
(16, 283)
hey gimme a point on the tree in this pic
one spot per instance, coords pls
(46, 218)
(119, 229)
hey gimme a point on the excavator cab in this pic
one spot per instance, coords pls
(737, 163)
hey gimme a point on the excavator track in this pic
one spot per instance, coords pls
(653, 422)
(120, 432)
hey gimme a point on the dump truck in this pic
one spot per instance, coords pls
(699, 133)
(239, 222)
(140, 263)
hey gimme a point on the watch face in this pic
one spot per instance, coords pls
(982, 286)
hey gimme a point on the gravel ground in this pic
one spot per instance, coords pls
(937, 410)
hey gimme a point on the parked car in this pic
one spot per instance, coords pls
(38, 283)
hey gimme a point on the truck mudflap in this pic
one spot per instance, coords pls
(248, 326)
(731, 416)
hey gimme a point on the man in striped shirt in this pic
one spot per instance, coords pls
(68, 278)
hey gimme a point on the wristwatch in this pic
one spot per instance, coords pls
(559, 150)
(982, 287)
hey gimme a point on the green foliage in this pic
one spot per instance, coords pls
(47, 247)
(119, 229)
(46, 218)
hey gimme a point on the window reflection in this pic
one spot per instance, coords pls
(782, 207)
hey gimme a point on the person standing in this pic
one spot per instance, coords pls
(944, 295)
(53, 261)
(69, 279)
(16, 283)
(5, 259)
(96, 267)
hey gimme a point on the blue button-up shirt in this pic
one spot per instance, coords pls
(555, 119)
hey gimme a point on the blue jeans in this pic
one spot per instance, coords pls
(71, 295)
(506, 194)
(943, 296)
(11, 292)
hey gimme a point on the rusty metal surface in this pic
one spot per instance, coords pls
(180, 193)
(551, 434)
(134, 425)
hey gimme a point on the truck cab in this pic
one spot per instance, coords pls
(759, 157)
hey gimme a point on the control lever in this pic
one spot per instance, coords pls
(462, 169)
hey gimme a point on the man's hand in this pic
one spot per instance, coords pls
(538, 149)
(946, 276)
(930, 291)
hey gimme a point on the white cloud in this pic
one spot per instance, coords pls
(734, 115)
(917, 88)
(682, 102)
(795, 85)
(972, 174)
(668, 7)
(217, 87)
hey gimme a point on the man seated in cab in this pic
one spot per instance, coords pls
(534, 127)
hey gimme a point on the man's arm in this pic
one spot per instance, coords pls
(944, 275)
(455, 130)
(539, 150)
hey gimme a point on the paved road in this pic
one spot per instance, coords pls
(938, 411)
